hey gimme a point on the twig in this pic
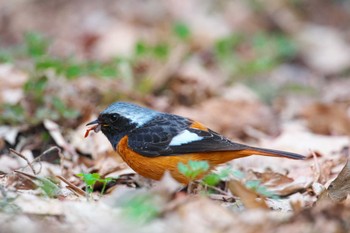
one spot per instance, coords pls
(29, 176)
(222, 197)
(46, 152)
(23, 157)
(72, 187)
(317, 172)
(216, 189)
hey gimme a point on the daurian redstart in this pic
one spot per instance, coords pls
(151, 142)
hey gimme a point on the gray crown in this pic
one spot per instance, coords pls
(137, 114)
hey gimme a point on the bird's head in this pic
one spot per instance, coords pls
(120, 118)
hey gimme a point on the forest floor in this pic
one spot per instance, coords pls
(274, 74)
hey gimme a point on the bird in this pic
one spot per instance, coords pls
(153, 142)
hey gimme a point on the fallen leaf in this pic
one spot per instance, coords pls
(339, 189)
(199, 214)
(231, 117)
(55, 133)
(300, 184)
(329, 55)
(327, 118)
(247, 196)
(9, 134)
(11, 80)
(96, 144)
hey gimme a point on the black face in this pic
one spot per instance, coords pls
(115, 127)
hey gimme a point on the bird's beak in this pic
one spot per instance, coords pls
(93, 122)
(96, 128)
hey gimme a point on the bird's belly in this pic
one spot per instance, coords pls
(154, 167)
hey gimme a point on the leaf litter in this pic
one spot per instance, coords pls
(217, 76)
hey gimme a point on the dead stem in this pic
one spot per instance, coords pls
(23, 157)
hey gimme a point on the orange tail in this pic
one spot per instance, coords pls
(270, 152)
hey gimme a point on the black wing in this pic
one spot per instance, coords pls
(155, 137)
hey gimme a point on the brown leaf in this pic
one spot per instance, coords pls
(330, 119)
(11, 80)
(247, 196)
(339, 189)
(281, 184)
(235, 116)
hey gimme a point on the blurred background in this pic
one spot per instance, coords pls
(243, 67)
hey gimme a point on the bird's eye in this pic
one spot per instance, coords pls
(114, 117)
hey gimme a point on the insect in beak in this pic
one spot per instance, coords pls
(96, 127)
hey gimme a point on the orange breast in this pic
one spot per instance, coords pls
(154, 167)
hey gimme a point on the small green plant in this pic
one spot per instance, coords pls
(12, 114)
(91, 179)
(36, 44)
(260, 188)
(160, 50)
(181, 30)
(243, 55)
(224, 174)
(49, 188)
(193, 169)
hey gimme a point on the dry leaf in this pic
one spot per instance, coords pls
(9, 134)
(327, 118)
(199, 214)
(11, 80)
(55, 133)
(247, 196)
(300, 184)
(339, 189)
(96, 144)
(329, 55)
(231, 117)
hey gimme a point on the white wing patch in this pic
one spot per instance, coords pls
(184, 137)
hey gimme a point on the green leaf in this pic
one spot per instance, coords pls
(36, 44)
(58, 104)
(49, 63)
(286, 47)
(50, 189)
(183, 169)
(225, 47)
(259, 188)
(193, 169)
(141, 48)
(63, 110)
(12, 113)
(91, 179)
(161, 50)
(105, 181)
(252, 184)
(36, 85)
(108, 71)
(73, 71)
(181, 30)
(44, 113)
(238, 174)
(212, 179)
(198, 165)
